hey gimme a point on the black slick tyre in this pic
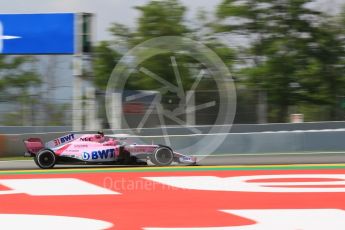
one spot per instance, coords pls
(163, 156)
(45, 159)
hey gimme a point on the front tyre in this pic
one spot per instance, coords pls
(163, 156)
(45, 159)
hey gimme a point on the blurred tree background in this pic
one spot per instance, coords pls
(281, 52)
(17, 82)
(295, 55)
(162, 18)
(157, 18)
(26, 96)
(285, 57)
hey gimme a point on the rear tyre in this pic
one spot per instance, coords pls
(163, 156)
(45, 159)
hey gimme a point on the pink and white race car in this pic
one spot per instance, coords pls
(99, 149)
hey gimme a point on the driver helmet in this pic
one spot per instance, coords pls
(100, 136)
(101, 133)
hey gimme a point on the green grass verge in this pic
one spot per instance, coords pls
(175, 169)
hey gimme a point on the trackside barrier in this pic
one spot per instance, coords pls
(2, 143)
(234, 143)
(13, 143)
(235, 128)
(271, 142)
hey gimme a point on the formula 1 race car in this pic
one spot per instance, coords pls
(99, 149)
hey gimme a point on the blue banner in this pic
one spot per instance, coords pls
(37, 33)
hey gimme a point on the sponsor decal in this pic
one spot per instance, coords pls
(135, 149)
(72, 150)
(81, 146)
(86, 156)
(85, 139)
(63, 139)
(99, 154)
(185, 158)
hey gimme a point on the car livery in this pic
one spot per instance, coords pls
(99, 149)
(63, 139)
(99, 154)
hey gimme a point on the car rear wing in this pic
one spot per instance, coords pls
(33, 145)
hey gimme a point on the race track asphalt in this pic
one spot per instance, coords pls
(244, 159)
